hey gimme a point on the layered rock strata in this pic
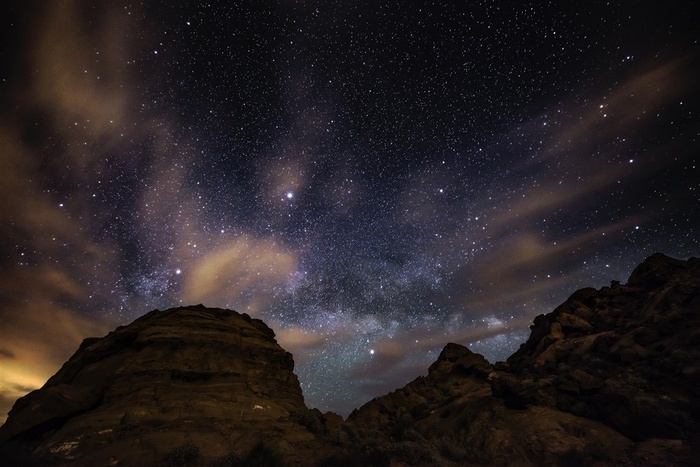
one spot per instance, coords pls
(192, 376)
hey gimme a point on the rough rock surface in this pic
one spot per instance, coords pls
(175, 381)
(451, 417)
(627, 355)
(610, 377)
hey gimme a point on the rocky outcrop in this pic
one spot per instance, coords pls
(451, 417)
(210, 382)
(627, 355)
(457, 373)
(610, 377)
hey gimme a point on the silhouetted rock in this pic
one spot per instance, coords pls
(610, 377)
(457, 372)
(657, 269)
(210, 379)
(635, 365)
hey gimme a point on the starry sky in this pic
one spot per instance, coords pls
(373, 179)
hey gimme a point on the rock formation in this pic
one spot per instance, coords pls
(193, 381)
(627, 355)
(610, 377)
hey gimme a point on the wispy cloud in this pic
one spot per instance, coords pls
(38, 336)
(240, 274)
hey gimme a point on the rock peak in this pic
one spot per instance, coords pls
(658, 268)
(609, 377)
(456, 356)
(181, 371)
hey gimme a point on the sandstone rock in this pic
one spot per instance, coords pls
(631, 370)
(657, 268)
(457, 372)
(615, 370)
(573, 322)
(610, 377)
(210, 378)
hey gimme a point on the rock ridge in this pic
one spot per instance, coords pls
(609, 377)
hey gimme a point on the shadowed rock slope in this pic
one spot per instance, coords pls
(610, 377)
(175, 385)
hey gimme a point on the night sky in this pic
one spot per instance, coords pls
(373, 179)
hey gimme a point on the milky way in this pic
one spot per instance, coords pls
(372, 179)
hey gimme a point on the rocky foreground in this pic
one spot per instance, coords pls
(610, 377)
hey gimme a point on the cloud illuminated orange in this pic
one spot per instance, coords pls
(240, 274)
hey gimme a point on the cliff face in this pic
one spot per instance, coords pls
(192, 376)
(610, 377)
